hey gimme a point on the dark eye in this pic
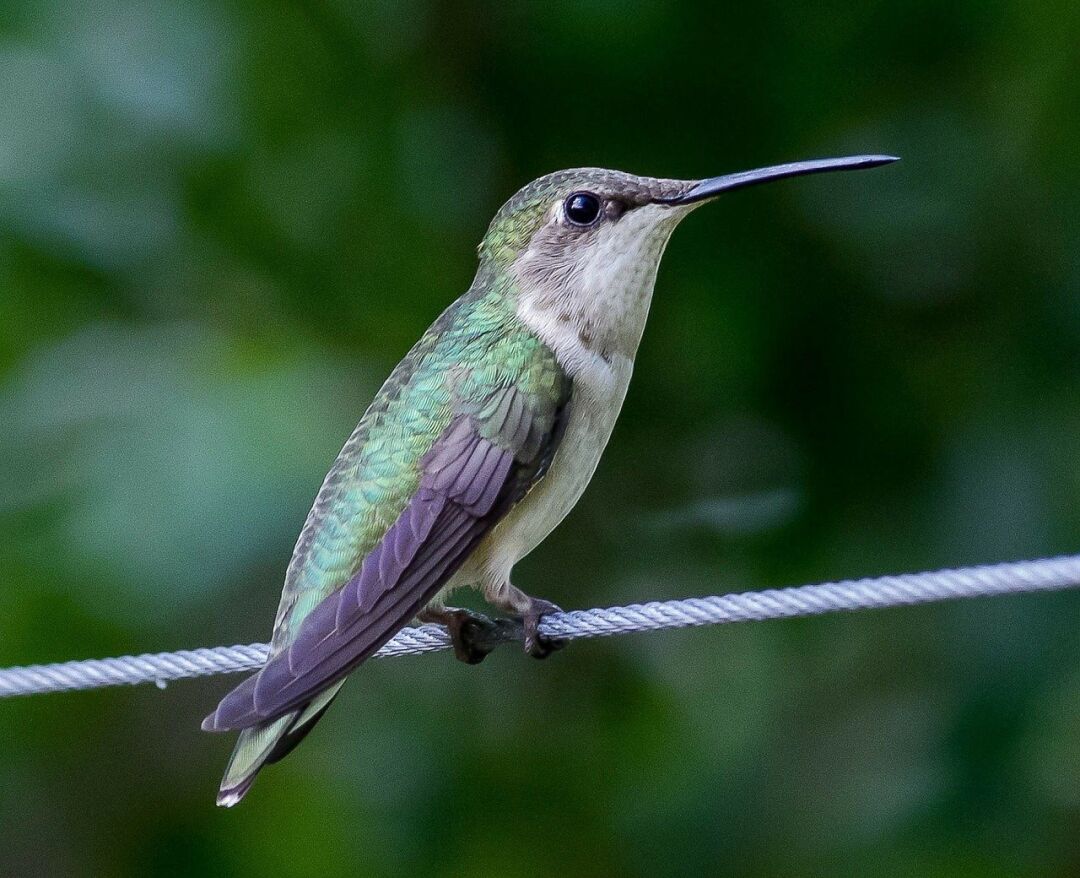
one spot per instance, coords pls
(582, 208)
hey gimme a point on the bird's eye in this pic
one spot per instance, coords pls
(582, 208)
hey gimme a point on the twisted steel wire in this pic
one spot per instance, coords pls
(1046, 574)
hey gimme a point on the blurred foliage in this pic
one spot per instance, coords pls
(221, 225)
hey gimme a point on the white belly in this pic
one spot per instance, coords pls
(597, 399)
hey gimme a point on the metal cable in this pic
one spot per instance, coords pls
(1046, 574)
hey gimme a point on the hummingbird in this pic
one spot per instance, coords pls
(480, 442)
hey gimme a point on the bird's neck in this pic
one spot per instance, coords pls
(596, 307)
(584, 332)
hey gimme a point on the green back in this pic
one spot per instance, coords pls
(475, 349)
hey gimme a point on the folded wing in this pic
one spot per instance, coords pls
(481, 465)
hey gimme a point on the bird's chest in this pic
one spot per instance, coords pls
(594, 407)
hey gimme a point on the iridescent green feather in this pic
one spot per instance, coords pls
(476, 349)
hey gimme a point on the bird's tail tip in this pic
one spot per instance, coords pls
(231, 795)
(254, 748)
(261, 743)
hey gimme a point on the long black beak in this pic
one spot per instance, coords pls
(716, 185)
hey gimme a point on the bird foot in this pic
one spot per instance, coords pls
(473, 634)
(536, 644)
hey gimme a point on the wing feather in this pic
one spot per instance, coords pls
(468, 482)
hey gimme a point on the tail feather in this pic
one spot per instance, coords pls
(266, 743)
(253, 749)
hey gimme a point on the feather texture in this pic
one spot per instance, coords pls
(462, 429)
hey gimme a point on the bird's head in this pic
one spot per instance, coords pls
(584, 244)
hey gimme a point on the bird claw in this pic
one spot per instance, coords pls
(472, 634)
(536, 644)
(475, 635)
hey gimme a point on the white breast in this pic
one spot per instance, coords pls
(600, 380)
(594, 407)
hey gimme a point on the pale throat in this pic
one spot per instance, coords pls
(589, 303)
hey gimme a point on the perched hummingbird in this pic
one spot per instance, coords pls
(479, 443)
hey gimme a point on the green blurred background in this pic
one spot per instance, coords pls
(221, 224)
